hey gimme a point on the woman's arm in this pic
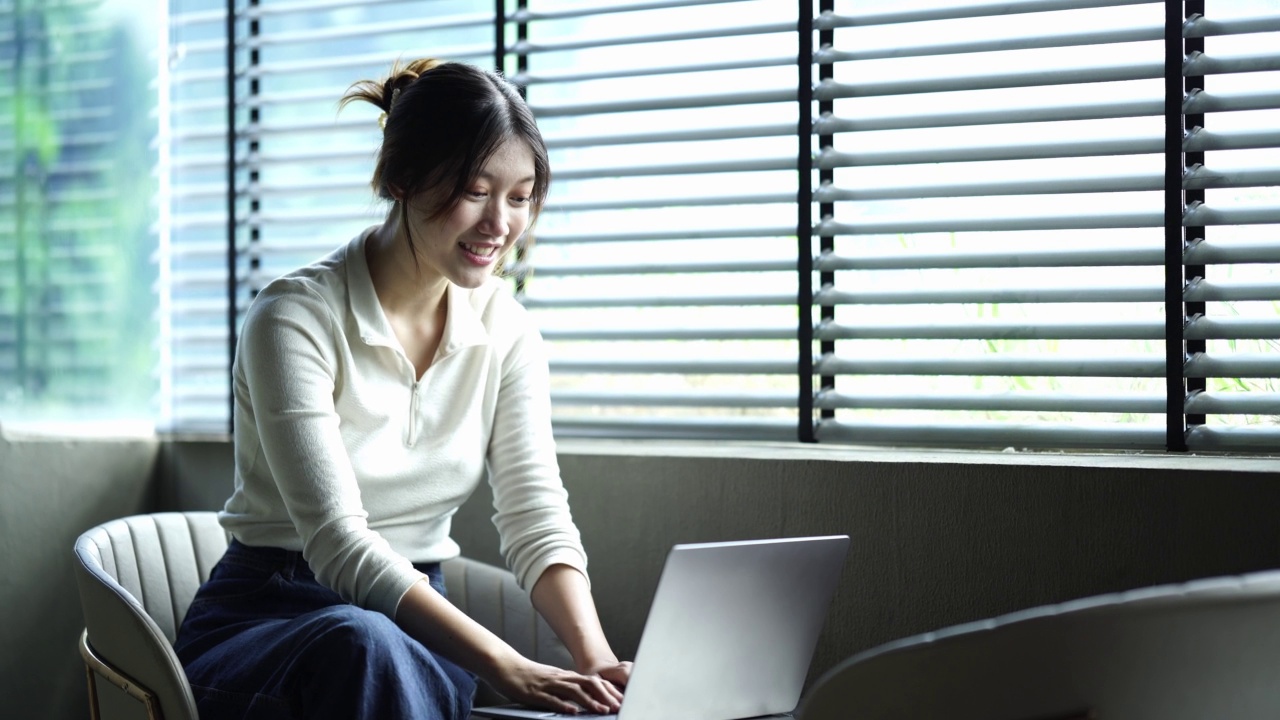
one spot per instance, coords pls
(563, 597)
(435, 622)
(540, 541)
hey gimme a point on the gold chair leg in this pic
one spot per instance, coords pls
(94, 712)
(95, 665)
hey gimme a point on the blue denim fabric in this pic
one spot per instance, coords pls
(264, 639)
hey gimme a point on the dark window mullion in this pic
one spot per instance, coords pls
(826, 243)
(804, 221)
(255, 117)
(522, 68)
(1191, 273)
(1175, 318)
(232, 224)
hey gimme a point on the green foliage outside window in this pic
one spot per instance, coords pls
(77, 214)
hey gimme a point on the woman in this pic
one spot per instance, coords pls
(373, 390)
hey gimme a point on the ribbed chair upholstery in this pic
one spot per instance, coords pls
(1205, 649)
(492, 598)
(137, 576)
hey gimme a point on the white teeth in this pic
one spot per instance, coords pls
(481, 251)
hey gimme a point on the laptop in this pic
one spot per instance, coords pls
(730, 632)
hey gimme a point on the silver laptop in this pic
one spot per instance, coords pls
(730, 633)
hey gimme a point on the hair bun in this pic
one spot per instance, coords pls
(384, 94)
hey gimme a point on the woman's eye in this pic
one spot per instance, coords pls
(477, 193)
(521, 200)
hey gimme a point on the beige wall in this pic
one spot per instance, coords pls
(938, 538)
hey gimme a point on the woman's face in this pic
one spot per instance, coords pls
(464, 245)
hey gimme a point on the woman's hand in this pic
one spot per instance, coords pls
(546, 686)
(435, 622)
(618, 673)
(563, 598)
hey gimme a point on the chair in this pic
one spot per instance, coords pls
(1204, 649)
(137, 576)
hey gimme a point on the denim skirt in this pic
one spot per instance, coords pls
(264, 639)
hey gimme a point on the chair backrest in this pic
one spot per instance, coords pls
(137, 576)
(1205, 649)
(491, 597)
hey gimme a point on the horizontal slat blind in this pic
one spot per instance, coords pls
(992, 258)
(997, 242)
(663, 272)
(1233, 295)
(990, 255)
(76, 329)
(192, 252)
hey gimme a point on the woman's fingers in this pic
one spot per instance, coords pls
(595, 694)
(564, 690)
(611, 689)
(618, 675)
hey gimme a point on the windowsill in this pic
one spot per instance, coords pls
(62, 431)
(737, 450)
(863, 454)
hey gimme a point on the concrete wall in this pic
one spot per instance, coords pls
(51, 490)
(938, 538)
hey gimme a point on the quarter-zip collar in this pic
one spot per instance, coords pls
(463, 326)
(371, 322)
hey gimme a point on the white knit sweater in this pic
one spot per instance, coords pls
(341, 454)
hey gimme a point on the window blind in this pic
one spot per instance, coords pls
(1230, 222)
(663, 275)
(195, 284)
(1016, 243)
(1034, 224)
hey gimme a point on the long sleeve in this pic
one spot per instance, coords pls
(532, 509)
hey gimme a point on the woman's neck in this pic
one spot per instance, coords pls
(403, 286)
(415, 306)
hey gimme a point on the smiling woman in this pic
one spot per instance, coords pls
(464, 188)
(374, 389)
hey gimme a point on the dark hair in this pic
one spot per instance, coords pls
(443, 121)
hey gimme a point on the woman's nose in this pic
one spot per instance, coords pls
(494, 221)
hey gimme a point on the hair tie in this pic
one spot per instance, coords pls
(382, 118)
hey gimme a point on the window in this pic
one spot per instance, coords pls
(1016, 224)
(77, 212)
